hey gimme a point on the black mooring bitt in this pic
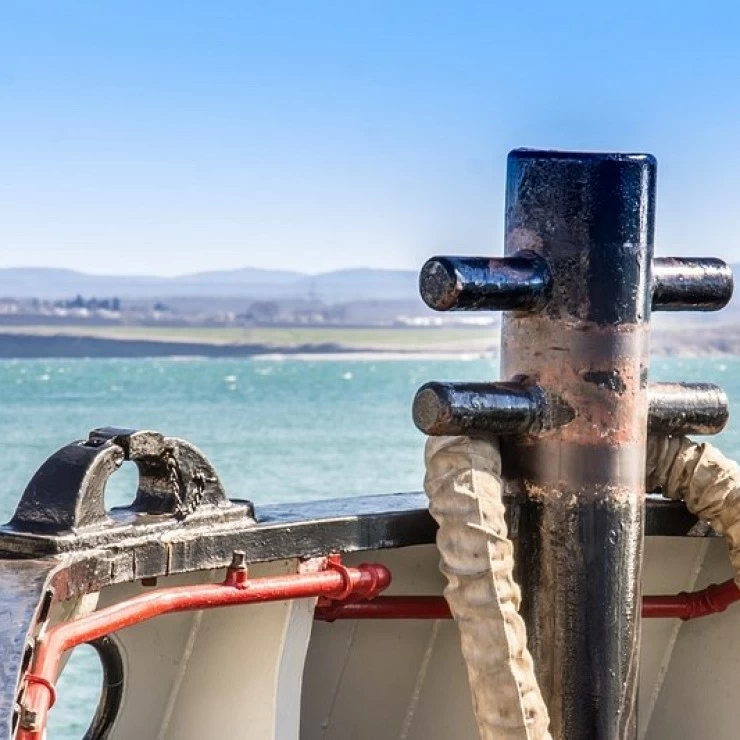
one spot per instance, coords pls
(517, 283)
(442, 409)
(577, 285)
(522, 282)
(691, 283)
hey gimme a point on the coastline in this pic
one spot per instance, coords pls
(37, 346)
(17, 345)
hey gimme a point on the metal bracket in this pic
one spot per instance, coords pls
(64, 506)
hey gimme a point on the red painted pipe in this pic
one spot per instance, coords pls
(387, 607)
(336, 583)
(344, 593)
(711, 600)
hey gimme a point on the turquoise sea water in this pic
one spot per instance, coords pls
(275, 431)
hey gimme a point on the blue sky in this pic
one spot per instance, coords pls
(169, 137)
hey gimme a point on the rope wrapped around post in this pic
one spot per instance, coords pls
(704, 479)
(463, 483)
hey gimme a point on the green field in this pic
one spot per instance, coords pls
(349, 338)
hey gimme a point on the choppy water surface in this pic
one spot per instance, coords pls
(275, 431)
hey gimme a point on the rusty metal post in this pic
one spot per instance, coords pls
(590, 216)
(577, 284)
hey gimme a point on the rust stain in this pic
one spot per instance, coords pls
(598, 371)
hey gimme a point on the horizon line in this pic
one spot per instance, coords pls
(179, 276)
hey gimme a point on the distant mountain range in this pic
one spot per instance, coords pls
(341, 285)
(361, 284)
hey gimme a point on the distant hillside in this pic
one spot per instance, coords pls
(245, 275)
(342, 285)
(361, 284)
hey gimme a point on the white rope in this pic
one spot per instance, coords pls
(463, 483)
(704, 479)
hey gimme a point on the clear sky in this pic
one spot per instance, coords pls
(169, 137)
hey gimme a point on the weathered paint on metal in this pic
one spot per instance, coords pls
(579, 557)
(678, 409)
(691, 284)
(519, 282)
(515, 408)
(463, 408)
(65, 496)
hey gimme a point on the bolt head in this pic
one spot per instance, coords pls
(29, 720)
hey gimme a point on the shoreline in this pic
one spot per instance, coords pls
(15, 345)
(19, 346)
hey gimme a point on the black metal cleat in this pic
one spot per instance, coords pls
(63, 506)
